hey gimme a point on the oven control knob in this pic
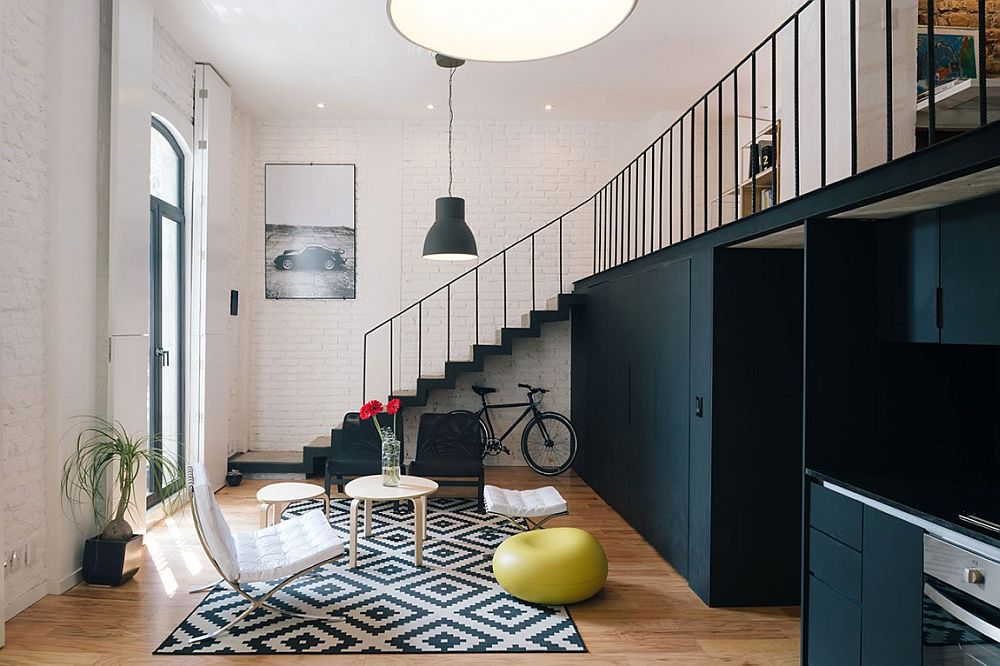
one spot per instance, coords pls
(974, 576)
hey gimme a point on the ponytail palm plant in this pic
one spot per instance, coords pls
(102, 469)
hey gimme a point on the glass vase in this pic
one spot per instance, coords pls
(390, 460)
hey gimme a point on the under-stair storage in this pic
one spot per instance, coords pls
(687, 399)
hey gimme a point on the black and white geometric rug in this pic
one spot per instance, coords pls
(452, 604)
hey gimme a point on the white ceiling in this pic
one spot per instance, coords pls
(282, 57)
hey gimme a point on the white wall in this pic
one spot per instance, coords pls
(24, 251)
(305, 356)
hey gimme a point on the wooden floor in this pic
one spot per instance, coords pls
(645, 614)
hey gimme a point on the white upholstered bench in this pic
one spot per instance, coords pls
(524, 508)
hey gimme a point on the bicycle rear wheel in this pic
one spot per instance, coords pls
(484, 431)
(549, 444)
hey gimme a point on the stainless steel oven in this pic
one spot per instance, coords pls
(961, 622)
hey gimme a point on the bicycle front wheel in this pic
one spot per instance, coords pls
(549, 444)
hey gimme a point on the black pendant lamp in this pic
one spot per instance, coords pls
(450, 238)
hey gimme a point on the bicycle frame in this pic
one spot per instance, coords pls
(531, 408)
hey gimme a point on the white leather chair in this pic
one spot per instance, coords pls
(285, 551)
(520, 507)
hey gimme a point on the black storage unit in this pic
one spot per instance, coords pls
(687, 400)
(864, 586)
(937, 279)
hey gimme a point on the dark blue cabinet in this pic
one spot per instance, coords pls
(699, 441)
(892, 589)
(936, 277)
(864, 585)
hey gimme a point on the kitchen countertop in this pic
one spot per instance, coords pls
(924, 501)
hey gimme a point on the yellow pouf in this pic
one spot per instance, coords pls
(555, 566)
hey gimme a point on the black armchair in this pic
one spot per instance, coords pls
(449, 450)
(356, 452)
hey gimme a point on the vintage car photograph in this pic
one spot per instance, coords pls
(311, 258)
(309, 234)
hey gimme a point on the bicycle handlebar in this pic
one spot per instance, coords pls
(532, 389)
(525, 386)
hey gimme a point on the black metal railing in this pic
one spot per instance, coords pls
(670, 192)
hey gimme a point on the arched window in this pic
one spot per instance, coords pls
(166, 166)
(167, 284)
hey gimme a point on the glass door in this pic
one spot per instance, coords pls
(167, 267)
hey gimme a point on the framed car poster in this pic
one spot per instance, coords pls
(309, 231)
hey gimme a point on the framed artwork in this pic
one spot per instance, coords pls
(310, 247)
(956, 58)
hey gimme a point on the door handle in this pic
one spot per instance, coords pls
(164, 356)
(961, 614)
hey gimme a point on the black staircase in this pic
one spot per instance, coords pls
(690, 180)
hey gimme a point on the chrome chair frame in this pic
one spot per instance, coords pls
(525, 524)
(255, 602)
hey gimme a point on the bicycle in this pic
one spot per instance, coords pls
(548, 437)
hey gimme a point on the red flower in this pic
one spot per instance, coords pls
(393, 406)
(370, 409)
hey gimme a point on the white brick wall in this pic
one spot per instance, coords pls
(173, 72)
(238, 328)
(305, 368)
(23, 249)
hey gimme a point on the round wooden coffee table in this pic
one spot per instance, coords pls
(275, 498)
(370, 489)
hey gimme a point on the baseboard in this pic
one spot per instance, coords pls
(67, 582)
(27, 598)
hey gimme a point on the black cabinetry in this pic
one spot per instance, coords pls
(937, 277)
(687, 399)
(864, 599)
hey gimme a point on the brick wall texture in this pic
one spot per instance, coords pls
(23, 255)
(305, 356)
(173, 72)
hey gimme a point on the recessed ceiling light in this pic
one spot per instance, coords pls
(320, 105)
(549, 107)
(506, 30)
(430, 107)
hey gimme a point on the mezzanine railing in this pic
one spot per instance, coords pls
(857, 83)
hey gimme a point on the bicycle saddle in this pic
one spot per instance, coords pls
(483, 390)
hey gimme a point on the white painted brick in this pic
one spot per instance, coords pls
(23, 255)
(173, 72)
(305, 356)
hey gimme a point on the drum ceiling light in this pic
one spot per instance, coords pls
(506, 30)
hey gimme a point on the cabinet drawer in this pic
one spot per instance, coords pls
(836, 515)
(835, 564)
(834, 627)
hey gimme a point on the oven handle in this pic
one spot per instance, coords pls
(961, 614)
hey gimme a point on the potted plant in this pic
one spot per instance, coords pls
(100, 472)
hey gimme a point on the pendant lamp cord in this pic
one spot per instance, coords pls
(451, 122)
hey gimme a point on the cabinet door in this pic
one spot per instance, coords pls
(907, 278)
(891, 590)
(834, 637)
(970, 281)
(621, 433)
(598, 390)
(662, 465)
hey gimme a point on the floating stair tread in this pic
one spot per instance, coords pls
(321, 442)
(409, 393)
(284, 457)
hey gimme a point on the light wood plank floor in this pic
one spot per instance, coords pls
(646, 613)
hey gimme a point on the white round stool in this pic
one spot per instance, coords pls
(275, 498)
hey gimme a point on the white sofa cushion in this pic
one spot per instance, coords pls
(286, 548)
(524, 503)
